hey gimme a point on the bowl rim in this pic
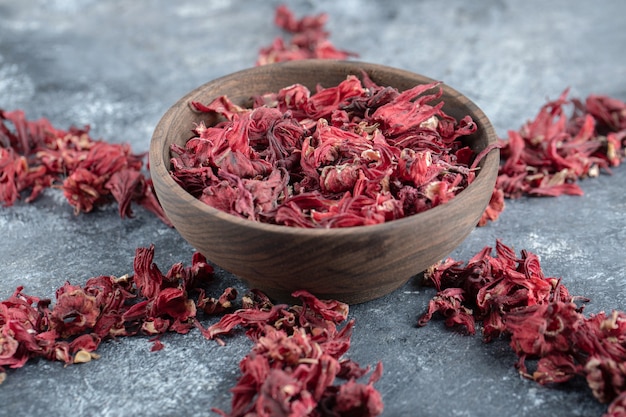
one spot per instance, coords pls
(158, 165)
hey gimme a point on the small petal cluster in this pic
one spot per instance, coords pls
(296, 359)
(511, 297)
(34, 155)
(548, 155)
(308, 40)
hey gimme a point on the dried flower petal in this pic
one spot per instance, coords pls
(617, 408)
(75, 311)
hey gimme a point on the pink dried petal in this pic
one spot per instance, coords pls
(608, 111)
(285, 19)
(544, 328)
(325, 101)
(104, 159)
(221, 105)
(309, 39)
(364, 400)
(351, 370)
(12, 169)
(246, 317)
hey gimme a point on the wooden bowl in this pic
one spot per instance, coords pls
(353, 264)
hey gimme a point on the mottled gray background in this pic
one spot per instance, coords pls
(118, 65)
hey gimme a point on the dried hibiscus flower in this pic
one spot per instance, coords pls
(308, 40)
(34, 155)
(549, 154)
(349, 155)
(147, 302)
(296, 359)
(511, 297)
(291, 370)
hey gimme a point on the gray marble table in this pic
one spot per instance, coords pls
(118, 65)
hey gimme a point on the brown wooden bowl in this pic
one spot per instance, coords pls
(353, 264)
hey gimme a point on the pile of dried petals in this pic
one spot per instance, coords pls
(34, 155)
(549, 154)
(349, 155)
(290, 371)
(296, 358)
(511, 296)
(147, 302)
(309, 40)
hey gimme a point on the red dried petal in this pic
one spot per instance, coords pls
(75, 311)
(358, 399)
(214, 306)
(551, 152)
(617, 408)
(449, 303)
(126, 185)
(156, 345)
(147, 276)
(221, 105)
(83, 190)
(86, 342)
(606, 377)
(494, 208)
(608, 111)
(556, 368)
(156, 325)
(173, 302)
(309, 39)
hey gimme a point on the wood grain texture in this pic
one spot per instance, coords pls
(353, 264)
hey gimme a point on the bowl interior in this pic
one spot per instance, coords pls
(353, 264)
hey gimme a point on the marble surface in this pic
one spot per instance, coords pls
(118, 65)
